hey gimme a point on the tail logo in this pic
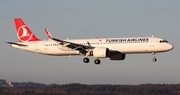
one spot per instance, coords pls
(23, 34)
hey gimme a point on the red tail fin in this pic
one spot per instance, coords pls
(24, 34)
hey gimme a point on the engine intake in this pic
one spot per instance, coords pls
(101, 52)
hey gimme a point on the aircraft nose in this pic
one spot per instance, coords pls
(170, 47)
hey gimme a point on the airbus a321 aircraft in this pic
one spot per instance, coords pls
(113, 48)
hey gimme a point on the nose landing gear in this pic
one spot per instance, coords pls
(154, 57)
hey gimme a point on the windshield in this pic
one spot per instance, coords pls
(163, 41)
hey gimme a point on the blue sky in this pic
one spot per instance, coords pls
(89, 19)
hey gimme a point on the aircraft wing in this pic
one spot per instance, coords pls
(81, 48)
(16, 44)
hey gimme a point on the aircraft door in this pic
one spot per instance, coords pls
(152, 42)
(37, 47)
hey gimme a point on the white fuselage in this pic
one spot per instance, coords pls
(123, 45)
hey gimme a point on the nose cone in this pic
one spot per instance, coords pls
(170, 47)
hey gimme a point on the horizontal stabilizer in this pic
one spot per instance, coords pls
(16, 44)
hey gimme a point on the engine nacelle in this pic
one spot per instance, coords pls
(100, 52)
(117, 56)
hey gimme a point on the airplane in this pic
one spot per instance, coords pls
(113, 48)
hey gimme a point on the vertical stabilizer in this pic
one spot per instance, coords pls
(24, 34)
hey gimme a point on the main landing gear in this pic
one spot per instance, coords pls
(86, 60)
(154, 57)
(96, 61)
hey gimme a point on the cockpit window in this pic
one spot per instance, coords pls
(163, 41)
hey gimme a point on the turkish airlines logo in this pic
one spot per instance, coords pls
(23, 34)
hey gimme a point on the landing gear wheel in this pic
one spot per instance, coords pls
(97, 61)
(86, 60)
(154, 59)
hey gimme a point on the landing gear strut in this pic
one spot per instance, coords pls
(86, 60)
(154, 57)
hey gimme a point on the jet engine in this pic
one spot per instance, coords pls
(115, 55)
(100, 52)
